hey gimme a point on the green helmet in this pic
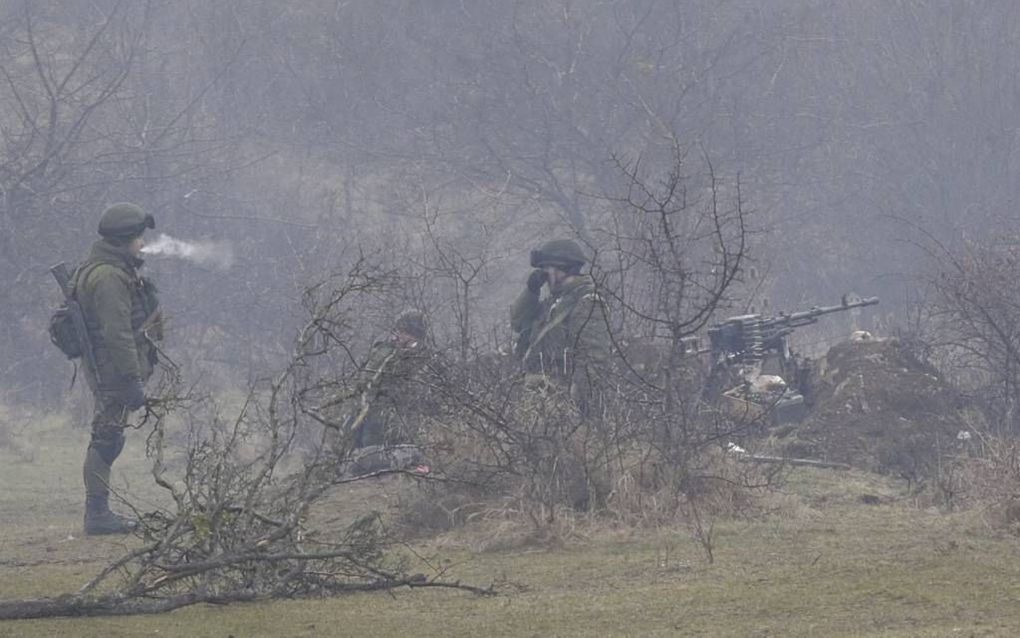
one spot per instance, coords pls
(559, 252)
(124, 221)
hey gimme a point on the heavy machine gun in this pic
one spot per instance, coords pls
(750, 339)
(747, 346)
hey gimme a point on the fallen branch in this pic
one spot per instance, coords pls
(74, 605)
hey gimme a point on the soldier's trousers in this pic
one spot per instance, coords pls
(105, 445)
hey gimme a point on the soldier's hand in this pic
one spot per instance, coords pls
(536, 279)
(133, 394)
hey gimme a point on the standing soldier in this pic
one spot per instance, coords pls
(123, 320)
(564, 336)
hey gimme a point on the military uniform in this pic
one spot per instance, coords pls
(387, 392)
(384, 393)
(562, 332)
(122, 316)
(565, 336)
(119, 307)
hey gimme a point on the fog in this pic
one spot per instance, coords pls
(276, 142)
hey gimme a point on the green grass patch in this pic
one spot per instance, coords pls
(841, 554)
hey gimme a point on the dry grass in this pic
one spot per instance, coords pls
(832, 553)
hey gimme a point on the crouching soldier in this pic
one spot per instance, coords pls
(122, 317)
(390, 399)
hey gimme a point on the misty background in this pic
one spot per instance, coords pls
(445, 139)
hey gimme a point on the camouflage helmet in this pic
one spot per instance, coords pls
(411, 322)
(124, 221)
(559, 252)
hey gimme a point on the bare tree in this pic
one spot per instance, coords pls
(972, 319)
(51, 99)
(675, 248)
(670, 251)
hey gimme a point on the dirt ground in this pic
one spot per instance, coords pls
(878, 408)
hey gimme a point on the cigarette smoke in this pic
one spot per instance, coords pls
(218, 254)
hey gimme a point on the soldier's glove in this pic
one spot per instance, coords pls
(536, 280)
(132, 394)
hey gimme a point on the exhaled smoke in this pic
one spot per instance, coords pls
(218, 254)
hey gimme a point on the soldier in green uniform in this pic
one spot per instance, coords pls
(123, 320)
(564, 336)
(386, 385)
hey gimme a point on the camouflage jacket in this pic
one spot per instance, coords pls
(121, 312)
(564, 334)
(389, 393)
(389, 368)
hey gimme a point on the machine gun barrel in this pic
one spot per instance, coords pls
(806, 317)
(748, 338)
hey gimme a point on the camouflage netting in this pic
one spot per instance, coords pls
(879, 408)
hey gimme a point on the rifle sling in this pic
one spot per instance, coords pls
(549, 326)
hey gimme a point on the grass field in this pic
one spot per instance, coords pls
(826, 562)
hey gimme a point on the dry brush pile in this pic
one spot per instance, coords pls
(243, 490)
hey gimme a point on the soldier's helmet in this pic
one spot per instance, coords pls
(411, 322)
(563, 253)
(124, 221)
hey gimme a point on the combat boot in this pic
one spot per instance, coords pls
(99, 520)
(98, 517)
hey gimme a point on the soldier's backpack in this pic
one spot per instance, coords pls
(63, 334)
(64, 327)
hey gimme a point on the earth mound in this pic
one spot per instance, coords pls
(876, 406)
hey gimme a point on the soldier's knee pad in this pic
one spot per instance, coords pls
(108, 443)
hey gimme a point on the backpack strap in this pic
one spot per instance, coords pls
(80, 273)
